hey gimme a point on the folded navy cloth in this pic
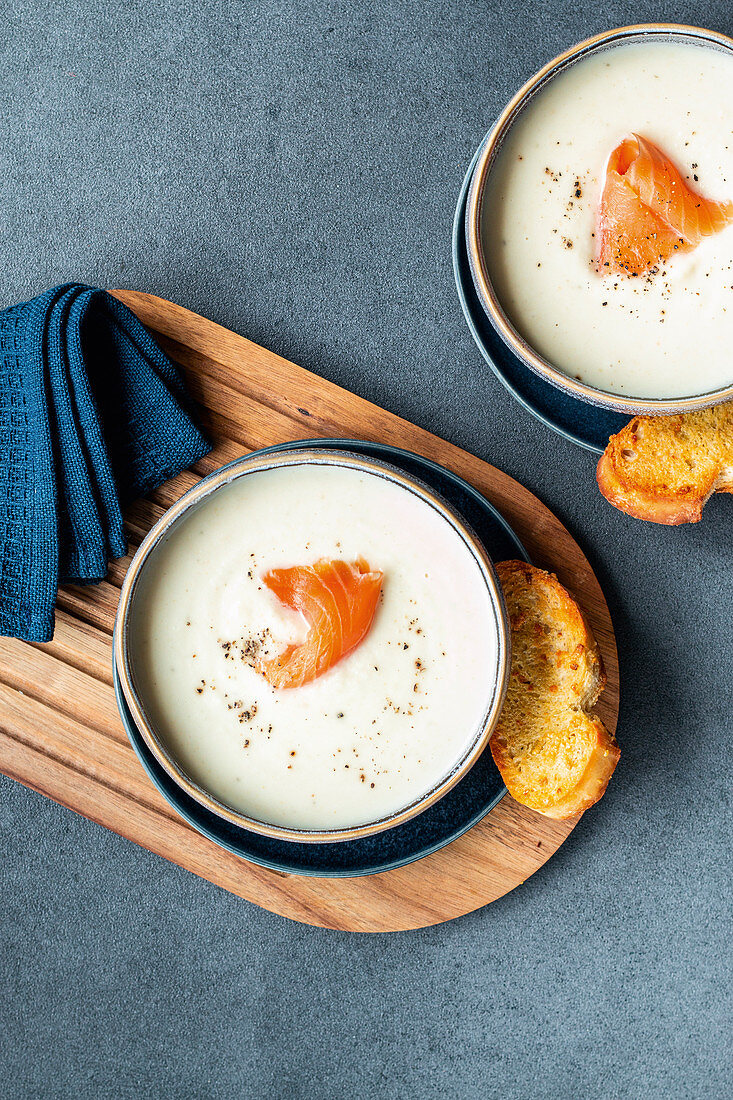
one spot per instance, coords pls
(92, 414)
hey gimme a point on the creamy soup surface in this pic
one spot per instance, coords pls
(669, 335)
(377, 730)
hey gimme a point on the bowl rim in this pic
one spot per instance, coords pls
(481, 278)
(310, 454)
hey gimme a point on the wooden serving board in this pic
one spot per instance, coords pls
(60, 732)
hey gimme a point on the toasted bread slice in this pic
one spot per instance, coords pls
(664, 468)
(553, 754)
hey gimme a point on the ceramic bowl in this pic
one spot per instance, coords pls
(125, 656)
(474, 239)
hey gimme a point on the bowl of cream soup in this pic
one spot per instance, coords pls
(599, 220)
(313, 644)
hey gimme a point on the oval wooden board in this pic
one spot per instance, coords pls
(59, 728)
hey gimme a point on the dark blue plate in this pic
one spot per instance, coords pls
(578, 421)
(454, 814)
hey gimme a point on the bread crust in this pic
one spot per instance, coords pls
(599, 769)
(645, 503)
(553, 686)
(637, 470)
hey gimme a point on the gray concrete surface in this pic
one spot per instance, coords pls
(290, 170)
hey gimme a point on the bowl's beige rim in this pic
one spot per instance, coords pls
(254, 463)
(481, 278)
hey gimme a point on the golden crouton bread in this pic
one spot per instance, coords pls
(553, 754)
(664, 468)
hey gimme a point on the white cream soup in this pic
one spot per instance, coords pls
(660, 337)
(377, 730)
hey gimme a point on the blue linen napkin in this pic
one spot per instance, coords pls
(92, 414)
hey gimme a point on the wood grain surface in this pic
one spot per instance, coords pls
(60, 732)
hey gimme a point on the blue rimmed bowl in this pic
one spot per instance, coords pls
(477, 245)
(126, 658)
(447, 819)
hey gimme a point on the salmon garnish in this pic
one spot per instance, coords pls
(648, 212)
(338, 600)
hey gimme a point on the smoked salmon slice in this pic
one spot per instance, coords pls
(338, 600)
(648, 212)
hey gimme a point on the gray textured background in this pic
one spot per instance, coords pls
(290, 170)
